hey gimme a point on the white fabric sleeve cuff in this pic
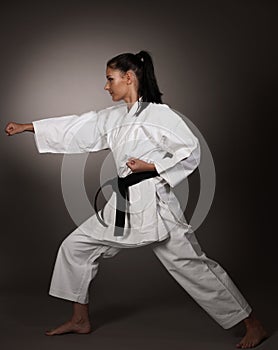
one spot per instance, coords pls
(39, 137)
(175, 174)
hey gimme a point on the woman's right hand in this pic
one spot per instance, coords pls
(16, 128)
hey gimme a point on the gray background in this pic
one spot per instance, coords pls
(215, 63)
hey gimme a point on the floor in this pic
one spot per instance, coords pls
(142, 323)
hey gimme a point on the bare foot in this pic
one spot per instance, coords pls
(80, 327)
(255, 334)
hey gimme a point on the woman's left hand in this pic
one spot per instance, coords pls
(138, 165)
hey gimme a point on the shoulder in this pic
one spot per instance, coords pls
(164, 113)
(112, 110)
(111, 117)
(168, 120)
(159, 106)
(164, 108)
(113, 114)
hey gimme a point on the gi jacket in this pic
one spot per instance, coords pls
(157, 135)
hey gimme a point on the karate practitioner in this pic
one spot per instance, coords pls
(154, 150)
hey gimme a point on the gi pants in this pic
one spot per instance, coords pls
(201, 277)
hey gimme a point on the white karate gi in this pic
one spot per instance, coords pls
(160, 136)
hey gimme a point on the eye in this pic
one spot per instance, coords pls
(110, 79)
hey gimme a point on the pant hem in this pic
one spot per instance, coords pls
(237, 318)
(68, 296)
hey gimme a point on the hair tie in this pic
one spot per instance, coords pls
(139, 57)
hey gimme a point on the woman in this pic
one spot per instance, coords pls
(154, 150)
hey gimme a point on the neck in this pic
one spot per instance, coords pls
(130, 100)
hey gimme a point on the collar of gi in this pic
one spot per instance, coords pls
(134, 107)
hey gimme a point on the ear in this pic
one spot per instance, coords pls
(130, 77)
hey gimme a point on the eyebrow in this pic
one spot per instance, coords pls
(107, 76)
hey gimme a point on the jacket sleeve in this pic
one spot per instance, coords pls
(180, 147)
(69, 134)
(181, 170)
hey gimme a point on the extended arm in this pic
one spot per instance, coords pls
(69, 134)
(65, 134)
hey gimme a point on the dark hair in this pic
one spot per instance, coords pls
(142, 65)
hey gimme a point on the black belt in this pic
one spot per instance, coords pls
(120, 186)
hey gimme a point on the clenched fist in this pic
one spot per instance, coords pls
(16, 128)
(138, 165)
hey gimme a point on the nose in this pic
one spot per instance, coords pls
(106, 87)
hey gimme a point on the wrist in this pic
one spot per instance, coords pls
(151, 167)
(28, 127)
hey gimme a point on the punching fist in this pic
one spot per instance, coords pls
(16, 128)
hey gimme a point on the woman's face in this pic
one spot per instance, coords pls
(117, 84)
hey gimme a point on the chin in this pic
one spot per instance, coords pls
(115, 98)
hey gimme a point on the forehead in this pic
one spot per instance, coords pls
(114, 72)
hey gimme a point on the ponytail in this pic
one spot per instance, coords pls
(148, 87)
(142, 65)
